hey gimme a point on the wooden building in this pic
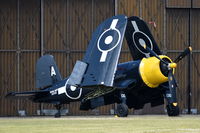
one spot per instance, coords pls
(63, 28)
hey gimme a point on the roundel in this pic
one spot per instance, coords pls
(108, 40)
(140, 39)
(73, 92)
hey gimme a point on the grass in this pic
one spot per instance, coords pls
(105, 124)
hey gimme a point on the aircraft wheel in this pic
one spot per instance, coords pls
(172, 110)
(58, 107)
(57, 115)
(122, 110)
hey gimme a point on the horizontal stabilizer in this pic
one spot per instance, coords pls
(47, 72)
(26, 95)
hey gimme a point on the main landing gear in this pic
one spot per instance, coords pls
(58, 107)
(122, 108)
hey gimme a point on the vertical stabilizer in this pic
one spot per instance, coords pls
(47, 72)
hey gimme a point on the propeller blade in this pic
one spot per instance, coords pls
(172, 85)
(153, 53)
(183, 54)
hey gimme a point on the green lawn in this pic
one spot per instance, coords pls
(104, 124)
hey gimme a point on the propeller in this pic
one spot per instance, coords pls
(172, 64)
(172, 86)
(183, 54)
(167, 67)
(154, 54)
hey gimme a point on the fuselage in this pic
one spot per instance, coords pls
(62, 92)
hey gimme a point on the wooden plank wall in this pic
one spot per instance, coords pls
(177, 39)
(195, 4)
(179, 3)
(8, 60)
(195, 42)
(64, 30)
(28, 49)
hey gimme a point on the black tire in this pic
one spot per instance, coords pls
(57, 115)
(122, 110)
(172, 110)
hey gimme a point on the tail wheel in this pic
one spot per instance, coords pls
(172, 110)
(58, 114)
(122, 110)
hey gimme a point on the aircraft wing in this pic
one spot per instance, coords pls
(103, 52)
(26, 95)
(138, 34)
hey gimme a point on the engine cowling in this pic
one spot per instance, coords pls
(153, 72)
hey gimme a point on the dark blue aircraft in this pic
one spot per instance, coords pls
(99, 80)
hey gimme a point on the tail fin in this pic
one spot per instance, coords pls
(47, 72)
